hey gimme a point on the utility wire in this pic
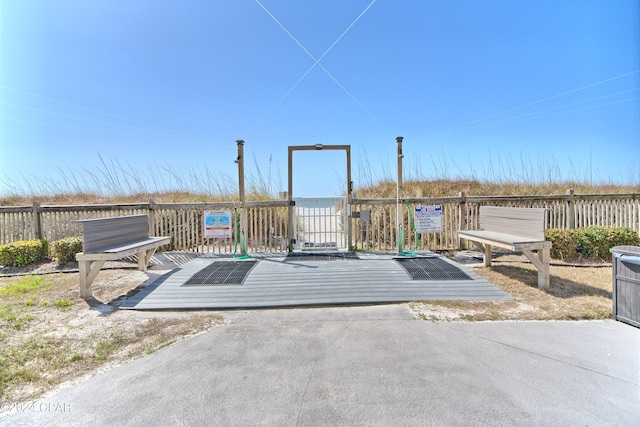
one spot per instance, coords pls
(95, 111)
(317, 62)
(537, 114)
(31, 122)
(159, 133)
(447, 130)
(558, 114)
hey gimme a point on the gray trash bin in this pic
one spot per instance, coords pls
(626, 284)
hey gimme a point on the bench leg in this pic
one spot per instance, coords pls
(544, 275)
(486, 252)
(144, 258)
(88, 272)
(541, 262)
(486, 255)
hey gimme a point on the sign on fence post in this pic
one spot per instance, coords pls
(428, 219)
(217, 224)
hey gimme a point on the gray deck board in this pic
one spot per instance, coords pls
(275, 282)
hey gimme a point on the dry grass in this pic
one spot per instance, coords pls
(383, 189)
(49, 335)
(575, 293)
(447, 188)
(92, 198)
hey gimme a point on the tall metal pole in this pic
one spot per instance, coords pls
(399, 221)
(243, 214)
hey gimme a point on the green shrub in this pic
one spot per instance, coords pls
(564, 247)
(589, 242)
(64, 250)
(23, 252)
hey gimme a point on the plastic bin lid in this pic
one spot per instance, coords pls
(626, 250)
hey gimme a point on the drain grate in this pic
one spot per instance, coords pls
(221, 273)
(321, 256)
(431, 269)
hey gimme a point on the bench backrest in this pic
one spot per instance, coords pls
(103, 233)
(524, 222)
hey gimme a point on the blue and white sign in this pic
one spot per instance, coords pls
(428, 219)
(217, 224)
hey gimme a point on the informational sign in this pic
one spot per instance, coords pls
(428, 219)
(217, 224)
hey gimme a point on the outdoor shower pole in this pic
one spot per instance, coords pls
(243, 214)
(399, 221)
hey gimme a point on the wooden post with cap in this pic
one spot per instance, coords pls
(399, 221)
(243, 214)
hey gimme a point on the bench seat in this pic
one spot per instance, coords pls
(118, 252)
(515, 229)
(503, 240)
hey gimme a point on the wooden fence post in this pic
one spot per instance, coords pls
(37, 221)
(571, 210)
(152, 217)
(462, 215)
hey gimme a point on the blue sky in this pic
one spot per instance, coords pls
(493, 89)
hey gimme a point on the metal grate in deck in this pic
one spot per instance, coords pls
(432, 268)
(321, 256)
(221, 273)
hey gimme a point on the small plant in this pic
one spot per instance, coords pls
(24, 285)
(63, 303)
(76, 357)
(107, 346)
(17, 322)
(23, 252)
(64, 250)
(103, 349)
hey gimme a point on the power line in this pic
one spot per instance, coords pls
(557, 114)
(31, 122)
(461, 126)
(169, 135)
(536, 114)
(97, 111)
(317, 63)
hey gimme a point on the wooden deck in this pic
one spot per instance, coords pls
(276, 282)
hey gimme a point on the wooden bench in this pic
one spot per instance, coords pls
(108, 239)
(516, 229)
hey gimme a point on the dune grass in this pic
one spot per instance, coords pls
(118, 182)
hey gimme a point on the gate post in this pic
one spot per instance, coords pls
(290, 231)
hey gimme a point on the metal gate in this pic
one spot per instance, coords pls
(321, 224)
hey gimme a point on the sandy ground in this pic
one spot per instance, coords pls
(93, 335)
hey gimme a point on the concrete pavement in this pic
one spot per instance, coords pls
(374, 365)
